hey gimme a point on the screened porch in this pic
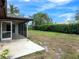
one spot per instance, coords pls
(12, 30)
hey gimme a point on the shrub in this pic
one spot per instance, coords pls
(65, 28)
(42, 27)
(4, 54)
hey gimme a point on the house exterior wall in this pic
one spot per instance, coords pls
(20, 27)
(3, 8)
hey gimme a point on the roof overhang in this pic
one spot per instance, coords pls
(16, 19)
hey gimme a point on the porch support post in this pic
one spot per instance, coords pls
(16, 29)
(11, 29)
(26, 29)
(1, 30)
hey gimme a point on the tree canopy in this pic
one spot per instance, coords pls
(77, 15)
(40, 19)
(13, 10)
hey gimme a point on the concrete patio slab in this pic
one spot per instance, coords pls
(22, 47)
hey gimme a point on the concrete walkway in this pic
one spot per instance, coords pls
(21, 47)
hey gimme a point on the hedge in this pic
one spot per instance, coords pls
(65, 28)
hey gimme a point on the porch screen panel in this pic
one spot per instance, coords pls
(22, 29)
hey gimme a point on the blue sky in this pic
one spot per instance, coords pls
(59, 10)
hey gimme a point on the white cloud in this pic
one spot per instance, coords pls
(68, 17)
(46, 6)
(72, 8)
(30, 23)
(29, 0)
(53, 4)
(35, 0)
(60, 1)
(8, 0)
(20, 0)
(24, 0)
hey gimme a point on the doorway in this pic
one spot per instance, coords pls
(6, 30)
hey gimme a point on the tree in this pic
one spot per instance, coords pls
(77, 16)
(40, 19)
(13, 10)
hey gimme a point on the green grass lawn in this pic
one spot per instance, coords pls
(57, 45)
